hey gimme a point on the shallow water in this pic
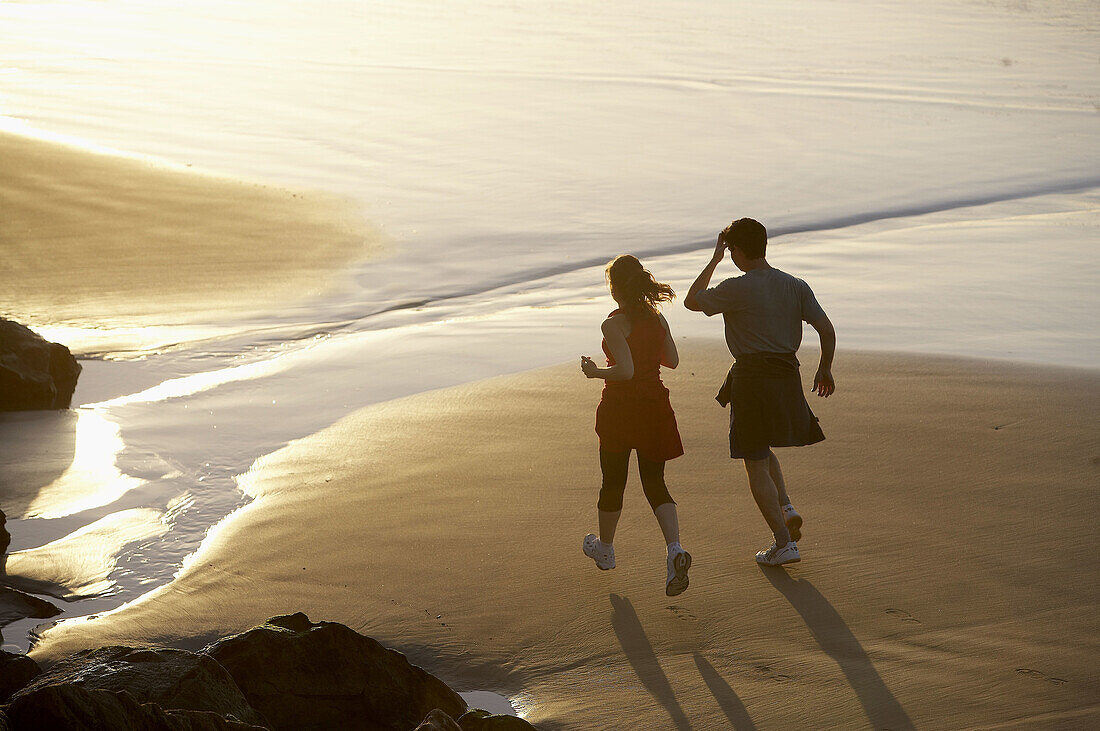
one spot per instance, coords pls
(498, 140)
(929, 168)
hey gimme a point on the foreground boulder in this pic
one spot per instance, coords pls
(5, 537)
(437, 720)
(15, 672)
(172, 679)
(475, 720)
(478, 720)
(34, 373)
(70, 707)
(305, 675)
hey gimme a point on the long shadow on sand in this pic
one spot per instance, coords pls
(832, 633)
(727, 698)
(643, 659)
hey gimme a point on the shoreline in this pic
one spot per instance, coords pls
(113, 253)
(330, 328)
(424, 467)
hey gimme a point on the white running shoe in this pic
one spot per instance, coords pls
(600, 552)
(678, 564)
(793, 521)
(774, 556)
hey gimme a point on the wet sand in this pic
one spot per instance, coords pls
(98, 240)
(945, 582)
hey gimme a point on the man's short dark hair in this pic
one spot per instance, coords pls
(748, 235)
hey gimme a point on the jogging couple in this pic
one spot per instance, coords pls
(763, 310)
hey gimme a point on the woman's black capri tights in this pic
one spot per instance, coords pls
(614, 466)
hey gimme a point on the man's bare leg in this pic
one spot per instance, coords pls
(792, 519)
(777, 478)
(766, 495)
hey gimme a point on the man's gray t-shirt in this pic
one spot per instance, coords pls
(763, 310)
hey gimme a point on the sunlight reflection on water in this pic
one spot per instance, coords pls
(93, 479)
(80, 564)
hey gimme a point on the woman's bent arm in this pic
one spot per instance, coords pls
(623, 370)
(670, 357)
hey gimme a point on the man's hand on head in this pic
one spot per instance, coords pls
(719, 251)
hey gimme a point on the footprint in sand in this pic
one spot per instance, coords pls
(766, 670)
(681, 613)
(438, 616)
(1039, 675)
(903, 615)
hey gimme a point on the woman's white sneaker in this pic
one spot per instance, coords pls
(775, 556)
(598, 551)
(678, 564)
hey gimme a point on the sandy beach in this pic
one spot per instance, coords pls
(945, 580)
(328, 270)
(98, 240)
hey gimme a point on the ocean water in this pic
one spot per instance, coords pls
(930, 168)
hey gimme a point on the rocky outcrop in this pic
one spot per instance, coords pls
(437, 720)
(5, 537)
(15, 672)
(288, 673)
(75, 708)
(478, 720)
(305, 675)
(172, 679)
(475, 720)
(34, 373)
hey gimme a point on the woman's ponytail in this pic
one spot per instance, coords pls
(634, 288)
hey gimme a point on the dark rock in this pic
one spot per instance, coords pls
(5, 537)
(15, 605)
(305, 675)
(34, 373)
(474, 720)
(15, 672)
(437, 720)
(70, 707)
(172, 679)
(4, 724)
(479, 720)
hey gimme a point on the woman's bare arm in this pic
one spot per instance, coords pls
(670, 357)
(623, 370)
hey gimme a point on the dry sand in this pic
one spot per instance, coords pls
(948, 579)
(92, 239)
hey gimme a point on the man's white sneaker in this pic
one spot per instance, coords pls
(678, 564)
(600, 552)
(774, 556)
(793, 521)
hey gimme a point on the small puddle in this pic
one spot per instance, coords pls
(486, 700)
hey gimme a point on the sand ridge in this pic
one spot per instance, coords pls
(944, 584)
(95, 239)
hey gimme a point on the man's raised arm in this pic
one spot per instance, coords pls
(703, 280)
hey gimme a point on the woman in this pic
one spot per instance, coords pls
(635, 413)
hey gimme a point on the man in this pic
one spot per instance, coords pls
(763, 312)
